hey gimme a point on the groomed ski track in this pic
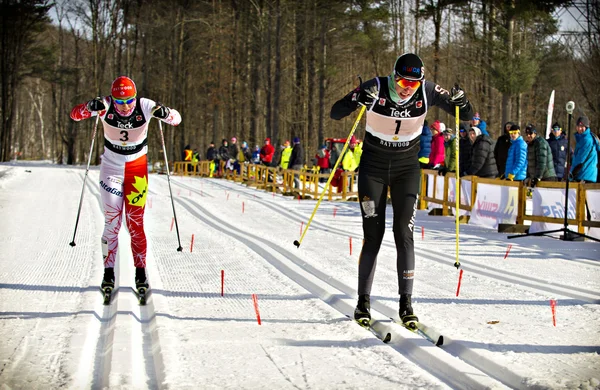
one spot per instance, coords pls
(125, 345)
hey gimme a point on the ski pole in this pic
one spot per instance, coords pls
(360, 114)
(457, 192)
(162, 139)
(87, 169)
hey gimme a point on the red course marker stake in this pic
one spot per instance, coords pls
(334, 211)
(459, 281)
(553, 308)
(192, 244)
(222, 282)
(172, 221)
(422, 233)
(350, 241)
(242, 207)
(255, 300)
(507, 250)
(301, 227)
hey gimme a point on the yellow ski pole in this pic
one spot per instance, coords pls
(457, 192)
(360, 114)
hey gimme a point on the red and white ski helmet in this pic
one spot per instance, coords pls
(123, 87)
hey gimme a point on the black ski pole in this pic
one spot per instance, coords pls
(87, 169)
(162, 138)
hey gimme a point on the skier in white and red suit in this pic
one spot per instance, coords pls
(124, 169)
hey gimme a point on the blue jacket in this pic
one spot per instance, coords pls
(586, 156)
(516, 163)
(558, 146)
(483, 127)
(425, 142)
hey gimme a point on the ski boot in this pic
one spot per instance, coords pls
(141, 284)
(108, 284)
(407, 316)
(362, 313)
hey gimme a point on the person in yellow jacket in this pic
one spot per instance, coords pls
(285, 155)
(350, 161)
(358, 151)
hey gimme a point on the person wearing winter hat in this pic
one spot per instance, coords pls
(267, 152)
(234, 150)
(501, 148)
(449, 153)
(480, 124)
(516, 162)
(323, 155)
(286, 153)
(436, 157)
(584, 166)
(482, 162)
(297, 160)
(558, 145)
(539, 158)
(396, 107)
(124, 168)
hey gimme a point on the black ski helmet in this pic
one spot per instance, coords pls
(410, 67)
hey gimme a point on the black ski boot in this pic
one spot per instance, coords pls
(109, 278)
(362, 312)
(140, 278)
(407, 315)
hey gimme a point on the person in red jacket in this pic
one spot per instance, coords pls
(322, 157)
(436, 157)
(124, 168)
(267, 152)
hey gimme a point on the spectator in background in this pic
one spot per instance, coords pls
(286, 154)
(296, 160)
(436, 157)
(539, 158)
(516, 162)
(223, 155)
(501, 149)
(256, 155)
(464, 150)
(558, 145)
(212, 156)
(267, 152)
(584, 166)
(244, 155)
(322, 157)
(425, 146)
(481, 125)
(233, 149)
(483, 163)
(449, 152)
(187, 153)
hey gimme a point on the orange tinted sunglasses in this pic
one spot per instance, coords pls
(404, 83)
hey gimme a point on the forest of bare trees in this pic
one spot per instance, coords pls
(273, 68)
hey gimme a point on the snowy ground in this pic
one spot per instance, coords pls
(56, 333)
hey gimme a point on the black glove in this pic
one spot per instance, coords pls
(442, 171)
(159, 111)
(366, 96)
(576, 169)
(534, 182)
(458, 97)
(96, 104)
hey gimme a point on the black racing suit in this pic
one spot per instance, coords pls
(390, 160)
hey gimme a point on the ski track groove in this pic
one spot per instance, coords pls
(448, 368)
(530, 282)
(153, 363)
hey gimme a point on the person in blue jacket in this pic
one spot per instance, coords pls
(558, 146)
(481, 125)
(584, 166)
(425, 145)
(516, 163)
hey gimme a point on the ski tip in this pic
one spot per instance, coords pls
(440, 341)
(387, 338)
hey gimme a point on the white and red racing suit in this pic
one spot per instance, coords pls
(124, 173)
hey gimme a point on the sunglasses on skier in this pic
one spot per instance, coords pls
(404, 83)
(124, 101)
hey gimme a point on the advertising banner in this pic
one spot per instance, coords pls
(550, 202)
(593, 206)
(494, 204)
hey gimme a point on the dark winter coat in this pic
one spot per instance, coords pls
(483, 163)
(233, 150)
(501, 152)
(224, 153)
(539, 159)
(297, 157)
(464, 155)
(211, 153)
(558, 146)
(425, 143)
